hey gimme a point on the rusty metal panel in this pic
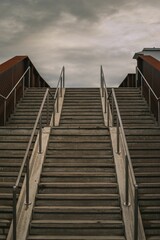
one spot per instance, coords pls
(150, 68)
(10, 73)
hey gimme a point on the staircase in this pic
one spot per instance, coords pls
(14, 138)
(78, 195)
(143, 137)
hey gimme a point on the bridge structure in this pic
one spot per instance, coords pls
(78, 163)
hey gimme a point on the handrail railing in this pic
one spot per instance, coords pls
(130, 180)
(26, 159)
(150, 90)
(14, 90)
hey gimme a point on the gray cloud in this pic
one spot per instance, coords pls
(80, 34)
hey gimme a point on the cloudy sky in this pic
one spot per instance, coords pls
(80, 34)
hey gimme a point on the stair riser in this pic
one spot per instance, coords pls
(77, 203)
(76, 216)
(78, 179)
(82, 232)
(77, 190)
(79, 169)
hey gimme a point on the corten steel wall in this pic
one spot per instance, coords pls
(150, 68)
(129, 81)
(10, 73)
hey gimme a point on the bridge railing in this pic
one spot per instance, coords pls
(131, 186)
(26, 159)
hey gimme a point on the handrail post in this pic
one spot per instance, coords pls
(141, 86)
(58, 101)
(126, 203)
(54, 109)
(40, 134)
(63, 76)
(29, 77)
(117, 135)
(108, 112)
(149, 99)
(105, 102)
(61, 86)
(27, 182)
(14, 99)
(5, 111)
(14, 212)
(136, 84)
(101, 76)
(48, 109)
(136, 213)
(158, 118)
(23, 87)
(112, 111)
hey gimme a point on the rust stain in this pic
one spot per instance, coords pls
(152, 61)
(11, 62)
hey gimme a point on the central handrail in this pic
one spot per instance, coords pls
(26, 159)
(124, 137)
(130, 185)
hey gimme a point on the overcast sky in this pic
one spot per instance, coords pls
(80, 34)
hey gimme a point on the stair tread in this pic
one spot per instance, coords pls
(77, 196)
(49, 237)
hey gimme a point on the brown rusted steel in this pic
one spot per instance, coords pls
(150, 68)
(10, 73)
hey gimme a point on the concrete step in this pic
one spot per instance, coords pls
(144, 146)
(81, 117)
(4, 226)
(77, 188)
(63, 131)
(6, 212)
(9, 176)
(79, 139)
(151, 213)
(7, 198)
(49, 237)
(111, 199)
(148, 177)
(149, 199)
(76, 227)
(78, 177)
(77, 213)
(14, 146)
(78, 168)
(7, 187)
(79, 146)
(80, 159)
(152, 227)
(149, 188)
(75, 153)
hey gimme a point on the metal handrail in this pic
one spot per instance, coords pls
(147, 83)
(150, 90)
(14, 90)
(128, 162)
(124, 137)
(61, 81)
(26, 160)
(16, 84)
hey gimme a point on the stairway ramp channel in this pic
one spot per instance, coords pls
(143, 138)
(14, 139)
(78, 195)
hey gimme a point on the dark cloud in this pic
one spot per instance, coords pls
(81, 34)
